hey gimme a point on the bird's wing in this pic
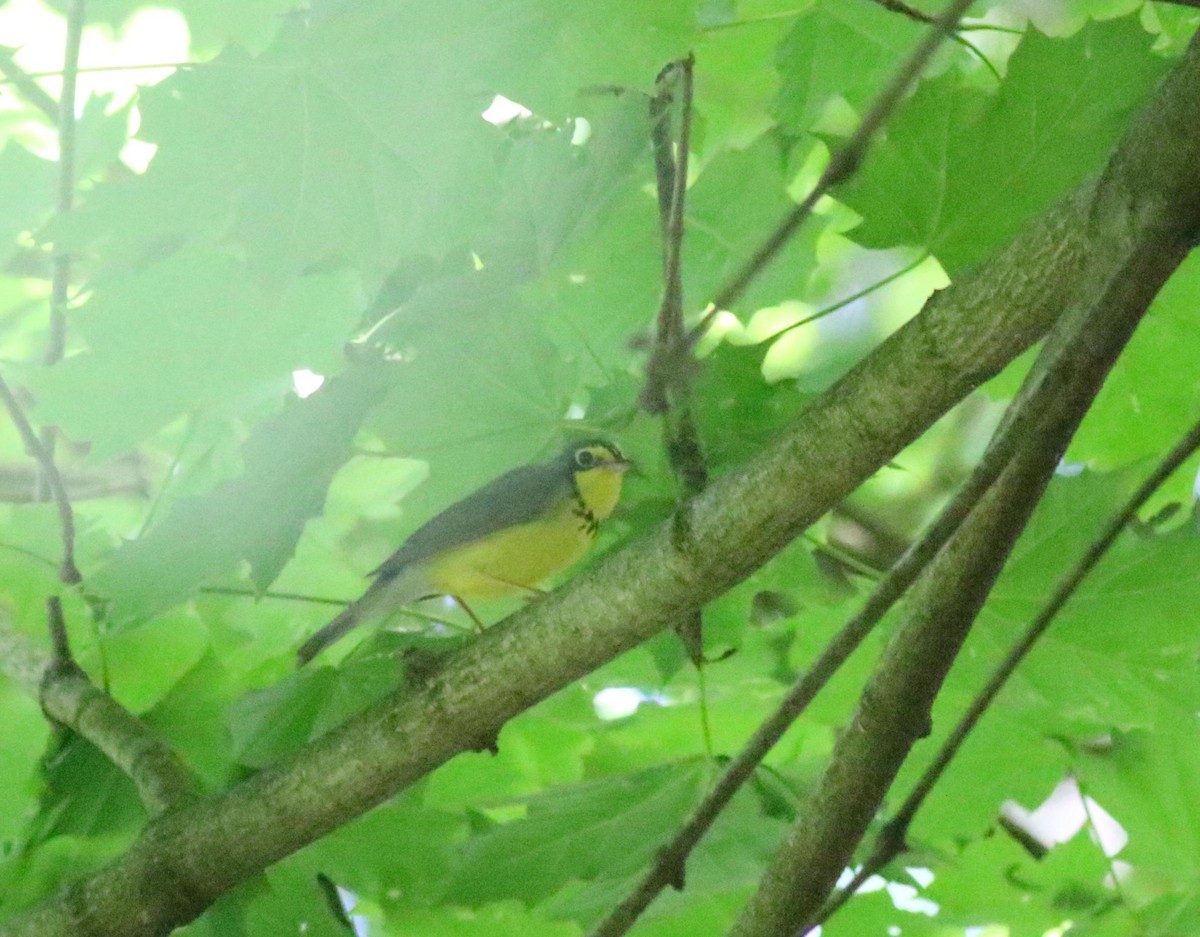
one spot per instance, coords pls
(516, 497)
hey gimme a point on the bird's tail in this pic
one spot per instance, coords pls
(327, 635)
(388, 592)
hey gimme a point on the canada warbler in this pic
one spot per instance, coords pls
(508, 536)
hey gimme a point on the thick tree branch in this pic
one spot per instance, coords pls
(966, 333)
(69, 698)
(894, 711)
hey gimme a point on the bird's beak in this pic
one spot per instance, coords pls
(622, 466)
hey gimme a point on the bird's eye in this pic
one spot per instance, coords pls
(585, 458)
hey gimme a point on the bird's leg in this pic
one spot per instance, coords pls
(466, 608)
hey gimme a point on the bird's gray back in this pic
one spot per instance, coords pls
(516, 497)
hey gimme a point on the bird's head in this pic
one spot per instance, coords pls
(597, 467)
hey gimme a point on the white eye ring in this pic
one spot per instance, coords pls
(585, 458)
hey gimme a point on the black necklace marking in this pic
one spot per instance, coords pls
(589, 523)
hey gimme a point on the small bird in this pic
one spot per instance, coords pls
(508, 536)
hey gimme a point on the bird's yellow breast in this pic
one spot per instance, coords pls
(517, 559)
(600, 489)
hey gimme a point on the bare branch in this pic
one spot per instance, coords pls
(57, 625)
(668, 371)
(68, 571)
(70, 699)
(61, 277)
(26, 86)
(898, 6)
(667, 387)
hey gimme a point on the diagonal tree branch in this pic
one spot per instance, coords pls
(35, 446)
(26, 86)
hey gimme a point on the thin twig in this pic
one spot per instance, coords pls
(284, 596)
(919, 16)
(142, 66)
(662, 142)
(668, 378)
(322, 600)
(892, 838)
(841, 166)
(29, 89)
(60, 277)
(59, 642)
(897, 6)
(673, 235)
(803, 10)
(852, 298)
(667, 387)
(68, 571)
(668, 370)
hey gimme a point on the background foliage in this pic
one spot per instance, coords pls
(322, 174)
